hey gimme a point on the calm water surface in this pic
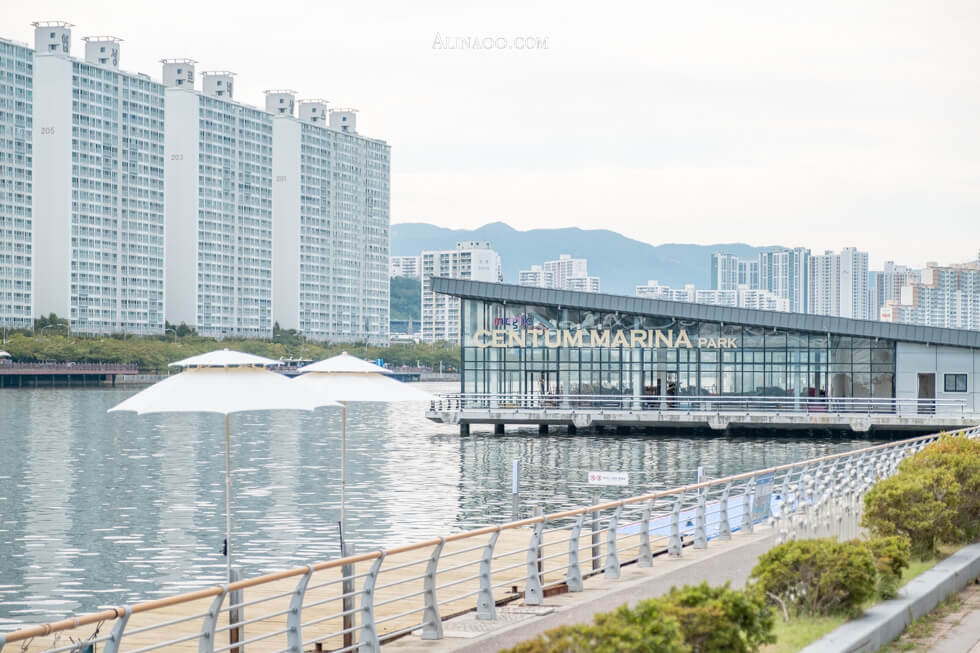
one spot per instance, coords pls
(99, 509)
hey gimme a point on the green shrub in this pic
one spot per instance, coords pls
(647, 629)
(960, 456)
(818, 577)
(919, 502)
(719, 619)
(891, 554)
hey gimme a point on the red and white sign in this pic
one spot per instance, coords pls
(609, 478)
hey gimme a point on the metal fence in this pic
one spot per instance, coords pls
(361, 601)
(702, 403)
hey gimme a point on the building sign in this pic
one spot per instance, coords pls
(635, 338)
(609, 478)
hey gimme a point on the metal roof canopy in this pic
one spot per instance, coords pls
(501, 292)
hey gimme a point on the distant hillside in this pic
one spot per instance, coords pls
(620, 262)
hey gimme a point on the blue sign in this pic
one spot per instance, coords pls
(380, 362)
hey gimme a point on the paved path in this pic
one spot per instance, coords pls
(959, 632)
(722, 561)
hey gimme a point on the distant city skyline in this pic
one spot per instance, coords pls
(820, 125)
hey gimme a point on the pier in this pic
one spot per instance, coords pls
(34, 375)
(718, 413)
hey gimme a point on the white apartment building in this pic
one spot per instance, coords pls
(748, 274)
(824, 282)
(406, 266)
(885, 286)
(946, 296)
(566, 268)
(785, 273)
(582, 284)
(741, 297)
(537, 277)
(16, 183)
(854, 284)
(330, 199)
(475, 260)
(98, 187)
(724, 271)
(219, 206)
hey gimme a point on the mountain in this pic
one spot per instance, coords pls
(620, 262)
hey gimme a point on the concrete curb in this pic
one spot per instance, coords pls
(884, 622)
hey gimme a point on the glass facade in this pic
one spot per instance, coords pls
(527, 349)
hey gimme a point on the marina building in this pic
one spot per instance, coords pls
(98, 187)
(474, 260)
(543, 356)
(330, 201)
(16, 183)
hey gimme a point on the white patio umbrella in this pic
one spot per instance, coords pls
(224, 382)
(346, 378)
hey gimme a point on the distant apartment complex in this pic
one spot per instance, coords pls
(838, 284)
(742, 297)
(406, 266)
(474, 260)
(566, 273)
(944, 296)
(155, 202)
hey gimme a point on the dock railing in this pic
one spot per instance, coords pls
(699, 404)
(361, 601)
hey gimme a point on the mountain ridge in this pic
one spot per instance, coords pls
(619, 261)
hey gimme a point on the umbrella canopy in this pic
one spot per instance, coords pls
(4, 354)
(224, 382)
(346, 378)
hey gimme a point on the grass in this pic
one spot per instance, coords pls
(801, 631)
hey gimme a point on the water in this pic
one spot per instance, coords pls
(99, 509)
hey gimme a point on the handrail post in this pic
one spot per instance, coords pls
(700, 522)
(594, 527)
(115, 638)
(236, 615)
(533, 594)
(645, 558)
(724, 526)
(674, 545)
(432, 628)
(369, 642)
(205, 643)
(294, 619)
(573, 577)
(612, 557)
(748, 506)
(347, 591)
(486, 607)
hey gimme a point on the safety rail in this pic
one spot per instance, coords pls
(700, 403)
(360, 601)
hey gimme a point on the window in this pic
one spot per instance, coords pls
(955, 383)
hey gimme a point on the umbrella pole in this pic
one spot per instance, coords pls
(343, 461)
(228, 497)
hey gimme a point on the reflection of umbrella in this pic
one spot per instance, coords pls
(345, 378)
(223, 382)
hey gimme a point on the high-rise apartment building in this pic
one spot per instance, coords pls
(330, 233)
(741, 297)
(946, 296)
(824, 283)
(537, 277)
(474, 260)
(854, 284)
(406, 266)
(729, 272)
(566, 268)
(98, 187)
(16, 183)
(748, 274)
(219, 206)
(885, 286)
(582, 284)
(785, 273)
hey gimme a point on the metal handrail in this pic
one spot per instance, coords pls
(697, 403)
(807, 488)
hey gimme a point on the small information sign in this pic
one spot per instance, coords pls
(609, 478)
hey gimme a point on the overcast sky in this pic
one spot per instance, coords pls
(823, 124)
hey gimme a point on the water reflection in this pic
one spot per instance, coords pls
(99, 509)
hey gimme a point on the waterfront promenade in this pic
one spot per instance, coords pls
(479, 577)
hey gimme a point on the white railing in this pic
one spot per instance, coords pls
(700, 404)
(361, 601)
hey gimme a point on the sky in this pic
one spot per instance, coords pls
(823, 124)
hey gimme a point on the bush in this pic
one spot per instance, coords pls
(719, 619)
(818, 577)
(648, 629)
(960, 456)
(891, 555)
(920, 503)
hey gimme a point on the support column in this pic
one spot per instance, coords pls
(572, 430)
(542, 428)
(498, 429)
(464, 429)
